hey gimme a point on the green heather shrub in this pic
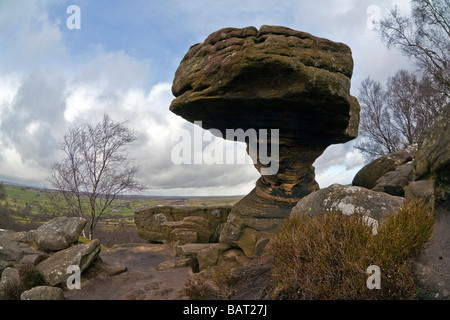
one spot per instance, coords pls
(326, 256)
(29, 277)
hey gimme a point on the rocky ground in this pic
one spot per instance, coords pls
(140, 281)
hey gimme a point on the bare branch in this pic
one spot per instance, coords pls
(395, 118)
(95, 169)
(424, 36)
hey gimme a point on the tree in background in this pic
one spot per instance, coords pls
(94, 171)
(424, 37)
(393, 117)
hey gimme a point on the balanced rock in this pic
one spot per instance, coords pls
(272, 78)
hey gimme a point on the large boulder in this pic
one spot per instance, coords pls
(58, 233)
(350, 200)
(43, 293)
(433, 155)
(369, 176)
(394, 182)
(191, 229)
(271, 78)
(14, 249)
(181, 225)
(54, 268)
(9, 279)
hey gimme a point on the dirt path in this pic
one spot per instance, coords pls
(141, 281)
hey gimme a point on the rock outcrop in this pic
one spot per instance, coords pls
(54, 269)
(433, 155)
(271, 78)
(380, 174)
(181, 225)
(46, 252)
(394, 182)
(432, 182)
(15, 248)
(421, 171)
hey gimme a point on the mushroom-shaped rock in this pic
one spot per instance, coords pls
(271, 78)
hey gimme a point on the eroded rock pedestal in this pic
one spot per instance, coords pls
(271, 78)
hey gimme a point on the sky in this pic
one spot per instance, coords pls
(122, 60)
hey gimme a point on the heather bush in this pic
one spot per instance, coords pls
(326, 256)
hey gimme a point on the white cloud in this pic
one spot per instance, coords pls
(336, 174)
(9, 84)
(30, 40)
(338, 164)
(14, 168)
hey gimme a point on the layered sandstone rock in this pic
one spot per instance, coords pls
(54, 269)
(271, 78)
(181, 225)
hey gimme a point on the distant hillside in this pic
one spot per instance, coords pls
(36, 201)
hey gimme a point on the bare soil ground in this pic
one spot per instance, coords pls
(141, 281)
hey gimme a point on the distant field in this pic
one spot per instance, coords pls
(26, 208)
(36, 201)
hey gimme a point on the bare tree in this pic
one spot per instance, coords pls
(376, 121)
(394, 117)
(95, 169)
(423, 36)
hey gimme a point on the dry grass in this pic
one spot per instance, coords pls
(30, 276)
(215, 286)
(326, 256)
(199, 289)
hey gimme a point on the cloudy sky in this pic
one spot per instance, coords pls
(122, 62)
